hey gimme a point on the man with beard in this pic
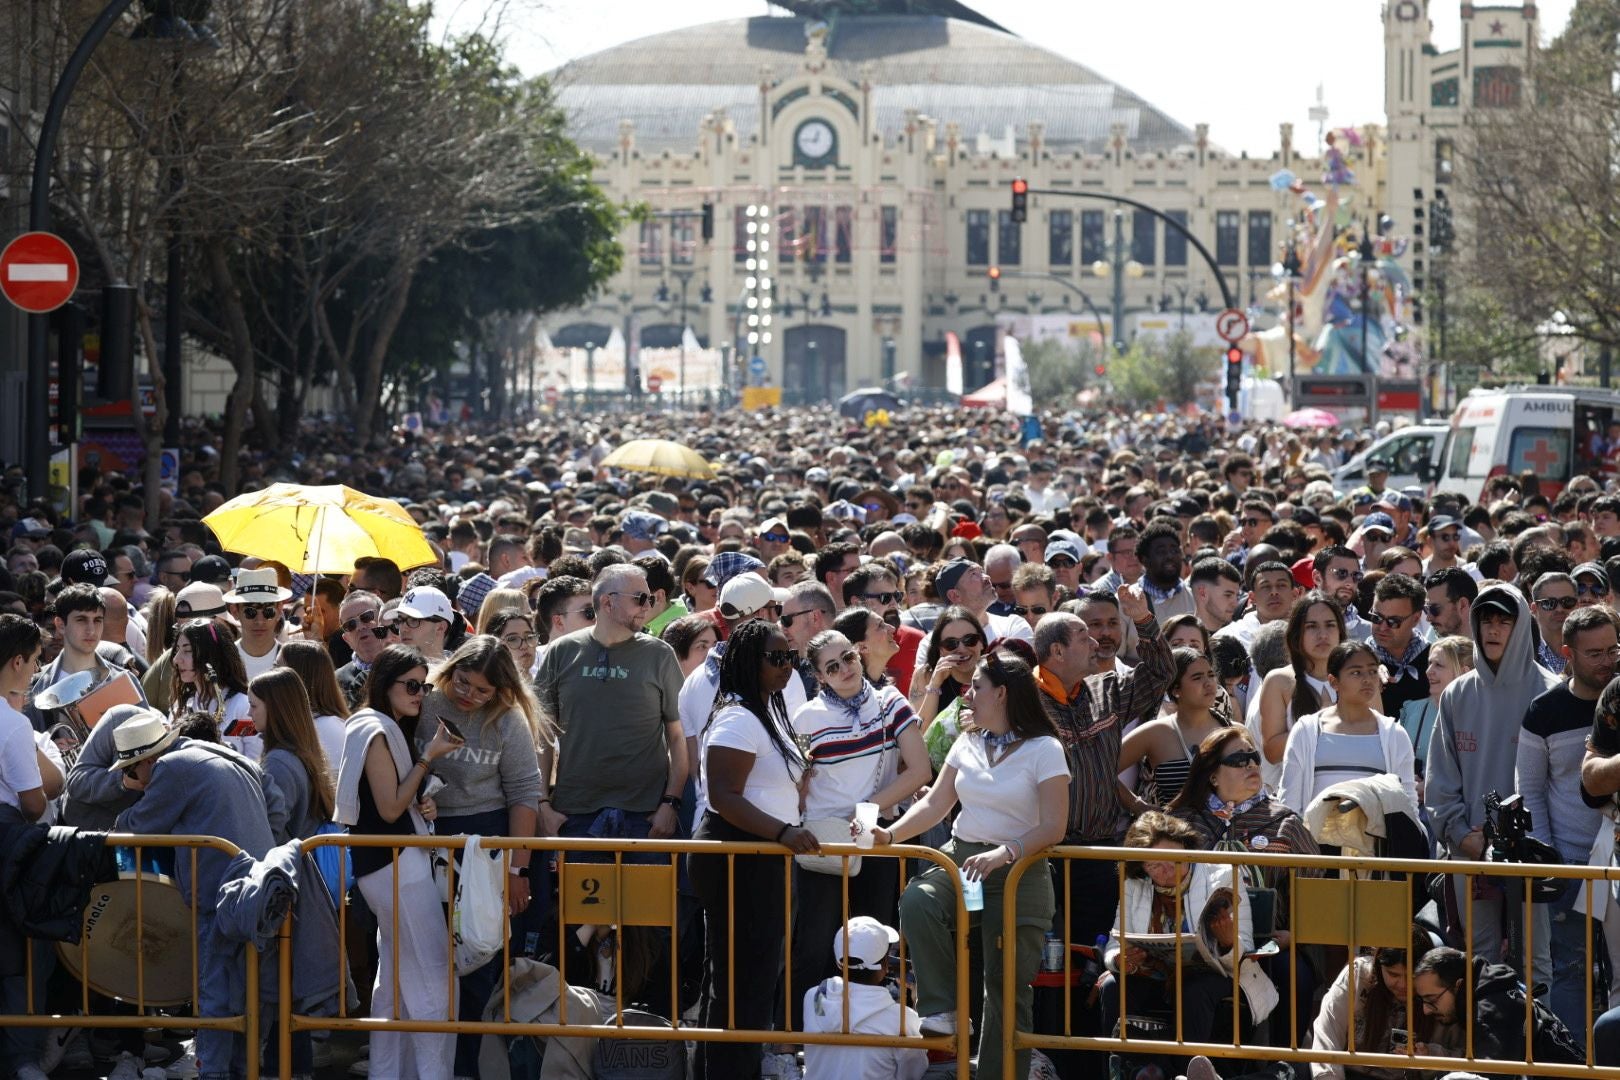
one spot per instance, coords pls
(1099, 610)
(1451, 595)
(1160, 549)
(1337, 571)
(1216, 588)
(875, 588)
(1548, 774)
(360, 622)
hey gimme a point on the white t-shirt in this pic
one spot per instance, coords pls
(695, 702)
(1003, 802)
(19, 765)
(258, 665)
(770, 785)
(330, 731)
(47, 746)
(997, 627)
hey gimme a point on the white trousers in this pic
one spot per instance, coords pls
(424, 971)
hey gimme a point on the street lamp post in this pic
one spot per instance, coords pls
(1120, 267)
(1291, 268)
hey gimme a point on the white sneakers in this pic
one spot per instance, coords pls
(183, 1067)
(944, 1023)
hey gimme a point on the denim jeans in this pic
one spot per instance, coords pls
(610, 823)
(1606, 1038)
(1569, 959)
(221, 1055)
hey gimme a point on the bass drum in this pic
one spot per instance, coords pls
(146, 958)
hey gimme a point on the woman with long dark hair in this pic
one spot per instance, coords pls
(752, 769)
(379, 793)
(1315, 626)
(950, 657)
(209, 678)
(1166, 744)
(493, 785)
(1011, 779)
(310, 661)
(872, 637)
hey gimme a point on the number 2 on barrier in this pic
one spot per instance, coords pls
(632, 895)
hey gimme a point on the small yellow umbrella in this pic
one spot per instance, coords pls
(660, 456)
(319, 530)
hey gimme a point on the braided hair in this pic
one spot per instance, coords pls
(740, 685)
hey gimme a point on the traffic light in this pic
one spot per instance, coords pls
(1020, 207)
(994, 274)
(708, 222)
(1234, 372)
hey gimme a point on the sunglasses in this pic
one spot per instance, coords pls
(1592, 590)
(639, 599)
(779, 657)
(351, 625)
(787, 617)
(1254, 521)
(259, 611)
(1002, 584)
(1027, 609)
(1241, 759)
(1431, 610)
(588, 613)
(832, 667)
(1391, 621)
(775, 537)
(1342, 574)
(1060, 562)
(966, 641)
(1553, 603)
(883, 597)
(414, 686)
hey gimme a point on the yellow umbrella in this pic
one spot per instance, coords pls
(660, 456)
(319, 530)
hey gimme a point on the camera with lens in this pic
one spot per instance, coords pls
(1508, 840)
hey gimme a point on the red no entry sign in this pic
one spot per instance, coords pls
(38, 272)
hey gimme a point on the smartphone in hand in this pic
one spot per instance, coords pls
(452, 729)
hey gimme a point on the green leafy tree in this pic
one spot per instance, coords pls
(1058, 370)
(1150, 372)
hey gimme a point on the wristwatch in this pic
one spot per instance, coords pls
(671, 800)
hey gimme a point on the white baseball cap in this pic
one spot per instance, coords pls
(745, 594)
(426, 602)
(869, 942)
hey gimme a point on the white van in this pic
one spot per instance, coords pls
(1554, 432)
(1411, 456)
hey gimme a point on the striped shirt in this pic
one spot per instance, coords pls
(1089, 724)
(851, 757)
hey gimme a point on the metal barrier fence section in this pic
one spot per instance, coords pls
(1337, 903)
(609, 890)
(139, 944)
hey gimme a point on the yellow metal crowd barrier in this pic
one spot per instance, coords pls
(151, 946)
(1335, 901)
(625, 894)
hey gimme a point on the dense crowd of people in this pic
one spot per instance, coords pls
(1131, 632)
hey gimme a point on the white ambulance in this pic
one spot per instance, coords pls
(1555, 432)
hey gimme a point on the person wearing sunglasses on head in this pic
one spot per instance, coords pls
(379, 792)
(256, 603)
(864, 745)
(360, 622)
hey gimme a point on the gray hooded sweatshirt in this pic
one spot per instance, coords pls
(1476, 736)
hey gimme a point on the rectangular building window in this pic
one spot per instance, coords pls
(652, 243)
(1175, 244)
(843, 233)
(1144, 237)
(786, 246)
(739, 235)
(1060, 238)
(889, 243)
(1093, 241)
(1228, 227)
(1260, 240)
(813, 236)
(1009, 239)
(978, 237)
(683, 239)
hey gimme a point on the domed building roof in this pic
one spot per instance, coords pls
(983, 79)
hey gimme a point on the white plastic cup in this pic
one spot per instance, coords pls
(866, 816)
(972, 893)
